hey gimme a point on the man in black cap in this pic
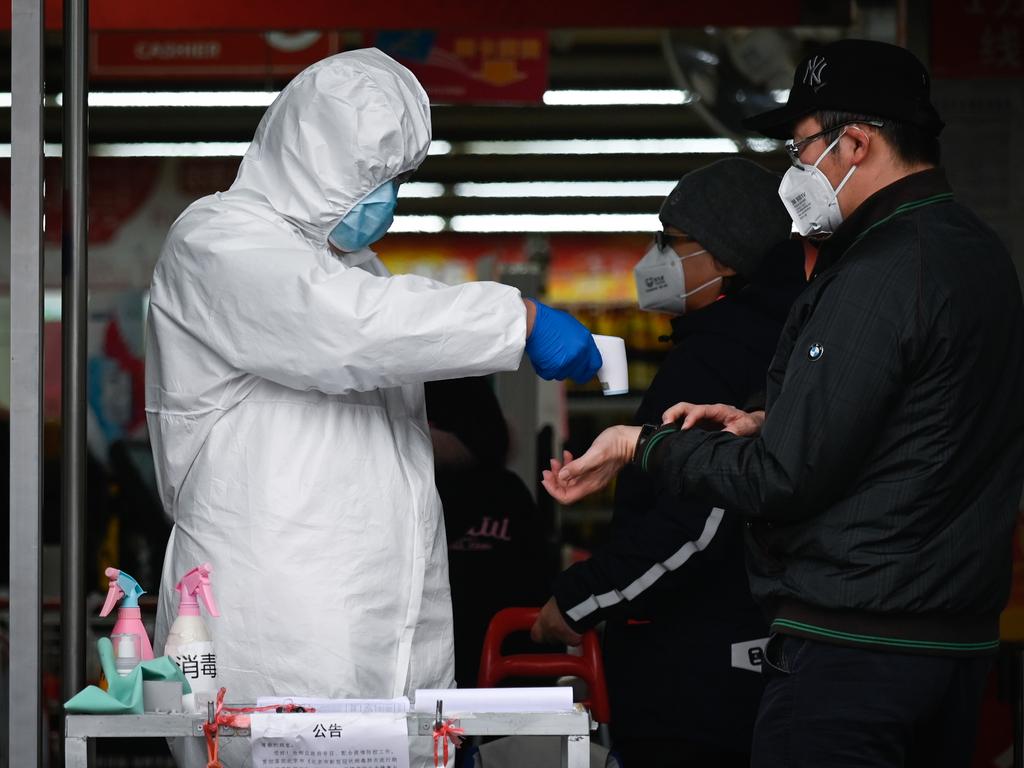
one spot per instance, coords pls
(683, 638)
(881, 482)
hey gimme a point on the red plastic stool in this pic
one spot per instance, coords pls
(494, 667)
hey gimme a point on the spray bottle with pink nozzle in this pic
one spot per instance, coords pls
(129, 617)
(188, 641)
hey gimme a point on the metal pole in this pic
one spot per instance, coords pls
(25, 703)
(75, 297)
(1017, 691)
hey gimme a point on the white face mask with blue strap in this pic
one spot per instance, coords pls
(368, 220)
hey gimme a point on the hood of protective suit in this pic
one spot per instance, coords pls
(339, 130)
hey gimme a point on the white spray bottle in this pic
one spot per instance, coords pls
(188, 642)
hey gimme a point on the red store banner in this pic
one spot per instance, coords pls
(202, 55)
(260, 15)
(977, 38)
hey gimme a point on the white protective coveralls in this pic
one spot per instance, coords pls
(285, 404)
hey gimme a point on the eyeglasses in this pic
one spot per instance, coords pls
(664, 239)
(794, 148)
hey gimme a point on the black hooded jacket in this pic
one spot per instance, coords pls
(672, 584)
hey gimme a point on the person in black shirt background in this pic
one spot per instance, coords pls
(497, 541)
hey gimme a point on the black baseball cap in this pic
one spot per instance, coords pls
(861, 76)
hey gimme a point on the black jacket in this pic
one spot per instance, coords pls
(671, 629)
(883, 489)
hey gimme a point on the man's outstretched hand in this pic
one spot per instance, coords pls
(569, 480)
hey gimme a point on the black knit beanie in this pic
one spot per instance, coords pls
(732, 208)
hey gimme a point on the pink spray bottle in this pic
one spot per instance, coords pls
(188, 641)
(129, 617)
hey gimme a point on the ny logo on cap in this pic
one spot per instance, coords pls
(812, 75)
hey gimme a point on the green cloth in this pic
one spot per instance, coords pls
(124, 694)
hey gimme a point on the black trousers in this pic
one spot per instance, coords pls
(668, 752)
(838, 707)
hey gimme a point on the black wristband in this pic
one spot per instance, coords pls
(641, 442)
(651, 435)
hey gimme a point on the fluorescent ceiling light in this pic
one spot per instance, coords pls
(600, 147)
(151, 149)
(763, 145)
(421, 189)
(163, 99)
(180, 149)
(582, 98)
(586, 222)
(568, 147)
(564, 189)
(167, 149)
(178, 98)
(781, 95)
(618, 97)
(417, 224)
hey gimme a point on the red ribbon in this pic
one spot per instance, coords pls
(235, 717)
(447, 732)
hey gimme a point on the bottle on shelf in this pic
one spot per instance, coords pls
(188, 641)
(129, 616)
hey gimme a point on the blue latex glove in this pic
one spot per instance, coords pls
(560, 347)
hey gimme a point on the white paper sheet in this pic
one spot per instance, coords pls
(341, 740)
(456, 700)
(401, 704)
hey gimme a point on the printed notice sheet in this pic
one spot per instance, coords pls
(336, 739)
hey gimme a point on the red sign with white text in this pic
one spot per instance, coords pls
(978, 38)
(198, 55)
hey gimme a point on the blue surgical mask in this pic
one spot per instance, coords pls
(368, 220)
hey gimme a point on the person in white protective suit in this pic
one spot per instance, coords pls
(284, 373)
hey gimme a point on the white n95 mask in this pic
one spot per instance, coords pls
(661, 280)
(809, 198)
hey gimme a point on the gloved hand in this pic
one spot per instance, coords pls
(560, 347)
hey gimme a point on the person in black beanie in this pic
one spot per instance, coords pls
(683, 638)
